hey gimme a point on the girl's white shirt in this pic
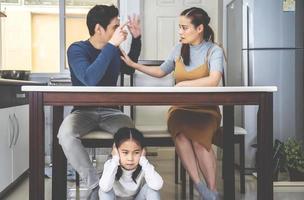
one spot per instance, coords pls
(125, 186)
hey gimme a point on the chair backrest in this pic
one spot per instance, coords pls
(151, 115)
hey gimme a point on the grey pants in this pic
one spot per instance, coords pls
(145, 193)
(80, 123)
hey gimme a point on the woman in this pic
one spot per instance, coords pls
(196, 61)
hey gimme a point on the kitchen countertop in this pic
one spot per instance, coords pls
(19, 82)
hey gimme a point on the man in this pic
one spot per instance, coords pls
(97, 62)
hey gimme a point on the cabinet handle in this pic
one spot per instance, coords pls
(11, 136)
(18, 130)
(20, 95)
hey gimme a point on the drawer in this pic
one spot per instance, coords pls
(12, 96)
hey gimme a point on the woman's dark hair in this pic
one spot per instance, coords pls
(102, 15)
(198, 16)
(123, 135)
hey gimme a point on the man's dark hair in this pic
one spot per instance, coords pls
(102, 15)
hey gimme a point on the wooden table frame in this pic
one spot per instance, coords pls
(38, 98)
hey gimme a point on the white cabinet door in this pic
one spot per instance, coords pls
(6, 136)
(21, 141)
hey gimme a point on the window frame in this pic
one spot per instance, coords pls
(63, 70)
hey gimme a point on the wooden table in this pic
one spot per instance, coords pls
(60, 96)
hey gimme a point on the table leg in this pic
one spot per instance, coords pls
(59, 180)
(36, 176)
(264, 152)
(228, 152)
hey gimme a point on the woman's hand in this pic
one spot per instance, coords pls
(134, 25)
(127, 59)
(114, 150)
(182, 84)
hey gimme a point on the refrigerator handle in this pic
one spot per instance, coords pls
(245, 52)
(245, 66)
(245, 26)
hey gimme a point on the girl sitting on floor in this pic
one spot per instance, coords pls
(128, 174)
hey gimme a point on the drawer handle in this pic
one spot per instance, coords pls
(11, 128)
(20, 95)
(17, 131)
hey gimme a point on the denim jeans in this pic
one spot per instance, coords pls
(145, 193)
(80, 123)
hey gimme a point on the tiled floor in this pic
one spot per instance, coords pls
(164, 163)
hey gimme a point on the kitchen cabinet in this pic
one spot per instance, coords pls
(5, 150)
(14, 135)
(14, 143)
(20, 144)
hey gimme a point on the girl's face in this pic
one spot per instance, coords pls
(188, 33)
(129, 153)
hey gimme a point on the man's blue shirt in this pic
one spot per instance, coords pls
(93, 67)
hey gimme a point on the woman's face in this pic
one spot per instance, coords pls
(129, 153)
(188, 33)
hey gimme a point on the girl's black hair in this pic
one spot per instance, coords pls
(123, 135)
(198, 16)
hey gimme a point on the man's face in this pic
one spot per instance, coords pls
(114, 24)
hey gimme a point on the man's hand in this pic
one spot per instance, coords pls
(119, 35)
(134, 25)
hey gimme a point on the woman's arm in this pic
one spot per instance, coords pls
(108, 175)
(212, 80)
(152, 71)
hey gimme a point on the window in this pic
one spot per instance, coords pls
(30, 34)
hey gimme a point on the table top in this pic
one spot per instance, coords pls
(133, 89)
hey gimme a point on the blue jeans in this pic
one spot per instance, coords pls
(145, 193)
(80, 123)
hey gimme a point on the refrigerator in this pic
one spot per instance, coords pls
(265, 48)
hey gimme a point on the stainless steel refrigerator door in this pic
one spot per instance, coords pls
(234, 44)
(235, 37)
(270, 27)
(278, 68)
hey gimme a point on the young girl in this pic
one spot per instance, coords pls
(128, 174)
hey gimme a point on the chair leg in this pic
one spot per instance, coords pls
(77, 180)
(183, 179)
(190, 188)
(181, 168)
(242, 164)
(176, 168)
(223, 167)
(94, 157)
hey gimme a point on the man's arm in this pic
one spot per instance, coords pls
(133, 54)
(90, 73)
